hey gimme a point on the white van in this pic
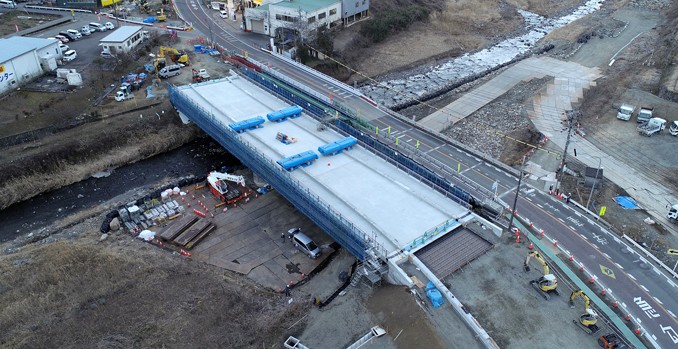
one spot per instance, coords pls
(85, 30)
(223, 14)
(95, 26)
(75, 33)
(70, 55)
(7, 4)
(169, 71)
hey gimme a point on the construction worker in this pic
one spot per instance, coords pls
(567, 198)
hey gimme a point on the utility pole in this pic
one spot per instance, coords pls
(515, 199)
(571, 115)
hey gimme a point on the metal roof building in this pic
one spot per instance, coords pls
(23, 59)
(123, 39)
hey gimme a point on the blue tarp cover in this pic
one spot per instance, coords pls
(626, 202)
(434, 295)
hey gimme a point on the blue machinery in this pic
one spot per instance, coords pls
(249, 124)
(293, 162)
(337, 147)
(282, 114)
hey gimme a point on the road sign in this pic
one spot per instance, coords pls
(602, 211)
(672, 251)
(607, 271)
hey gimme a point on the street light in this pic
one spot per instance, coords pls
(593, 187)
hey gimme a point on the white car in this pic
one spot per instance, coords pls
(70, 55)
(223, 14)
(109, 25)
(63, 47)
(85, 30)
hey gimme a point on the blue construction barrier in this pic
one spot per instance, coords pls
(321, 213)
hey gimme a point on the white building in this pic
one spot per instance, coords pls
(23, 59)
(123, 39)
(282, 19)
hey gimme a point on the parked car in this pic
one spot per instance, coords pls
(169, 71)
(63, 47)
(69, 36)
(304, 243)
(70, 55)
(85, 30)
(75, 33)
(109, 26)
(223, 14)
(61, 38)
(106, 54)
(94, 26)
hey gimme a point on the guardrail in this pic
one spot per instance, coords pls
(58, 9)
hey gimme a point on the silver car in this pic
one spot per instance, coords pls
(304, 243)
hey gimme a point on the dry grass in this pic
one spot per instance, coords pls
(66, 159)
(474, 18)
(78, 295)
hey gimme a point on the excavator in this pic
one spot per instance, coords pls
(611, 341)
(546, 284)
(588, 320)
(175, 55)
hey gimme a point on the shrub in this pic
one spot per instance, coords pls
(392, 21)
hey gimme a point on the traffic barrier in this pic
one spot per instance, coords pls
(555, 242)
(531, 246)
(571, 258)
(199, 213)
(188, 204)
(541, 233)
(628, 317)
(211, 214)
(581, 268)
(518, 238)
(638, 331)
(591, 280)
(602, 292)
(615, 304)
(219, 204)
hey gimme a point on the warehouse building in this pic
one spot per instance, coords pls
(22, 59)
(123, 39)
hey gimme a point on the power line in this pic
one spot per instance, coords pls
(442, 110)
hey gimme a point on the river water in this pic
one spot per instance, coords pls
(196, 158)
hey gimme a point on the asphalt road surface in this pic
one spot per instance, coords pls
(649, 295)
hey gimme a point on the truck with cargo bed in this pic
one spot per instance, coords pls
(654, 125)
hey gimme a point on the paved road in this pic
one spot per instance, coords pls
(634, 283)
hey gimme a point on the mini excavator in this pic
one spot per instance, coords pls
(588, 320)
(547, 284)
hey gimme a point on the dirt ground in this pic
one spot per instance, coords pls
(74, 291)
(11, 19)
(511, 311)
(459, 27)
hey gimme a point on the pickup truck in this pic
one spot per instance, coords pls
(625, 112)
(644, 114)
(673, 130)
(654, 125)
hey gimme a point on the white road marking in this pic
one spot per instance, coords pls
(596, 246)
(658, 301)
(619, 266)
(656, 271)
(631, 276)
(670, 312)
(644, 288)
(540, 205)
(562, 221)
(571, 227)
(606, 255)
(585, 238)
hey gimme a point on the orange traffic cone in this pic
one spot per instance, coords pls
(531, 246)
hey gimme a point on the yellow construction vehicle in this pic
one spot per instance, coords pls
(588, 320)
(161, 15)
(546, 284)
(175, 55)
